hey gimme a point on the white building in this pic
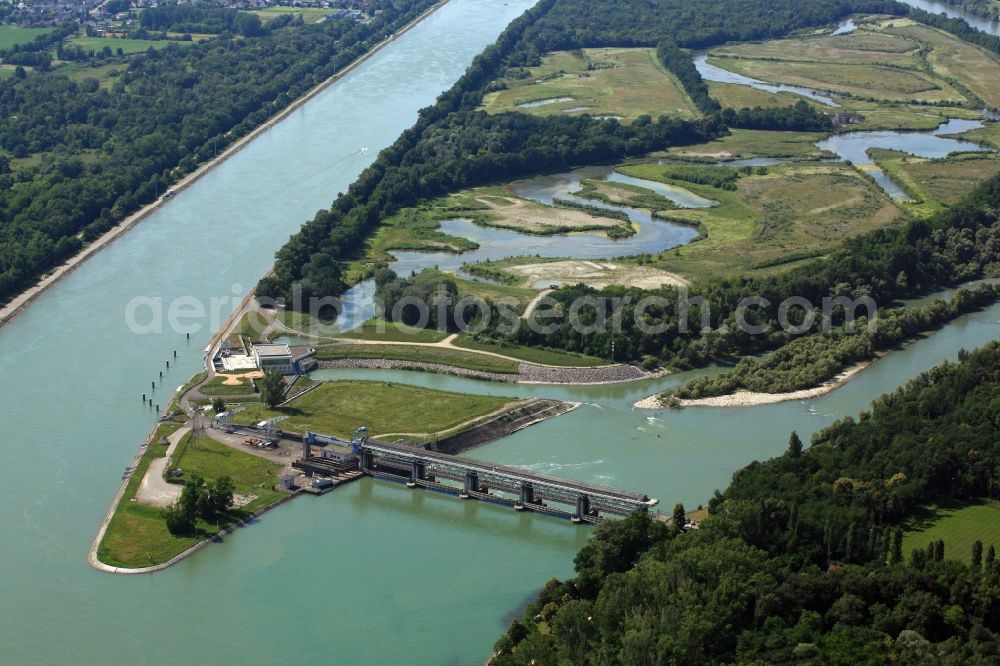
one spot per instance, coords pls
(274, 357)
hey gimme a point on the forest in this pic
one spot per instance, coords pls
(106, 150)
(800, 560)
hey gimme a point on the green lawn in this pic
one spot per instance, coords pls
(420, 354)
(381, 330)
(533, 354)
(11, 35)
(210, 460)
(338, 408)
(959, 526)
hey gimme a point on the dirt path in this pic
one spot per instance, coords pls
(154, 489)
(534, 303)
(22, 300)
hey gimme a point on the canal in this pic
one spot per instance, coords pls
(372, 573)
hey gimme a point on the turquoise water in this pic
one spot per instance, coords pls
(372, 573)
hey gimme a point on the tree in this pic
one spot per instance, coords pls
(679, 520)
(977, 555)
(218, 405)
(221, 494)
(178, 520)
(794, 445)
(896, 555)
(272, 388)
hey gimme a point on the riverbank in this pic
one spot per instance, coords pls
(527, 373)
(753, 399)
(26, 297)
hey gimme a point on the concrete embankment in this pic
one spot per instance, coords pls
(527, 373)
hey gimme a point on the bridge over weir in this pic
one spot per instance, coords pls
(523, 489)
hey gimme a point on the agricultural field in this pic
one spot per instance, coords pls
(935, 184)
(773, 220)
(624, 83)
(743, 144)
(14, 35)
(338, 408)
(959, 526)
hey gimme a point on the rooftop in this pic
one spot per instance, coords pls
(270, 351)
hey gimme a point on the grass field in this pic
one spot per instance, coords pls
(533, 354)
(773, 220)
(741, 144)
(126, 45)
(735, 96)
(338, 408)
(959, 526)
(861, 47)
(951, 58)
(204, 457)
(935, 184)
(308, 14)
(13, 35)
(896, 61)
(381, 330)
(106, 75)
(420, 354)
(626, 83)
(864, 81)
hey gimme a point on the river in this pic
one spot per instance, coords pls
(372, 573)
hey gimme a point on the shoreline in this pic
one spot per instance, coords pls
(20, 302)
(754, 399)
(527, 373)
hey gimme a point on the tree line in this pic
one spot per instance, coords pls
(801, 559)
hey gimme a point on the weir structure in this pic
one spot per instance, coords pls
(524, 489)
